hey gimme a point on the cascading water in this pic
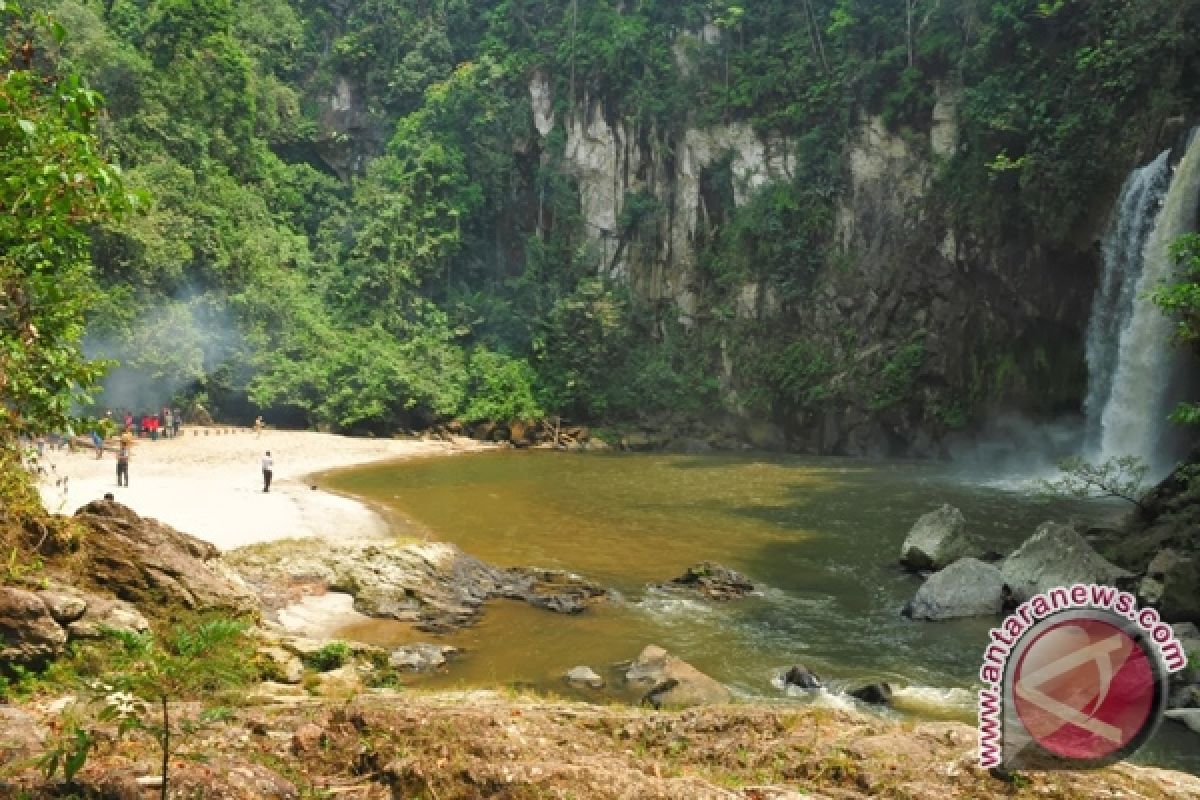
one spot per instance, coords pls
(1130, 356)
(1137, 208)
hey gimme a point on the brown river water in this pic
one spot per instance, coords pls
(821, 535)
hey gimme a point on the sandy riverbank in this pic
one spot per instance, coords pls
(210, 485)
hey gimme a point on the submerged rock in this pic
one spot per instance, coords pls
(876, 694)
(800, 677)
(673, 682)
(714, 581)
(1056, 555)
(938, 539)
(584, 676)
(966, 588)
(420, 657)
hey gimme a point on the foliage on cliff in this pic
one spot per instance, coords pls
(358, 301)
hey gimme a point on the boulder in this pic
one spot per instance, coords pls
(28, 633)
(672, 682)
(966, 588)
(107, 613)
(800, 676)
(156, 566)
(1056, 555)
(420, 657)
(876, 694)
(1180, 597)
(65, 607)
(713, 581)
(1185, 716)
(584, 676)
(938, 539)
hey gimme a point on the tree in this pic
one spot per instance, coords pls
(56, 183)
(146, 674)
(1181, 298)
(1122, 477)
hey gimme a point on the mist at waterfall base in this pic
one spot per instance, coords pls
(165, 354)
(1136, 374)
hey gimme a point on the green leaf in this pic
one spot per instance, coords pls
(28, 126)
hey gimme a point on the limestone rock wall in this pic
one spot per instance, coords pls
(1000, 327)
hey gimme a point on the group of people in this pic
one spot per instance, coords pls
(165, 423)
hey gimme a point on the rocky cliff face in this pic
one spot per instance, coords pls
(979, 328)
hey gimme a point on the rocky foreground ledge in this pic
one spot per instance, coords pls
(332, 737)
(384, 745)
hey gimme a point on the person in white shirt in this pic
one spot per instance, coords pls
(268, 465)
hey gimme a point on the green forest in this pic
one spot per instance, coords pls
(434, 265)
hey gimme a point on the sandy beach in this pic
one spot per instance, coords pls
(209, 484)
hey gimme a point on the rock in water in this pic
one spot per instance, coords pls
(800, 676)
(433, 584)
(714, 581)
(877, 694)
(938, 539)
(673, 682)
(1186, 716)
(966, 588)
(1056, 555)
(584, 676)
(420, 657)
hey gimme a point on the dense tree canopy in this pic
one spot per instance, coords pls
(370, 288)
(56, 182)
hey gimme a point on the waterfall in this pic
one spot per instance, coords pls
(1133, 218)
(1130, 357)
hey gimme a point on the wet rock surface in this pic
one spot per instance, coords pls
(876, 694)
(800, 677)
(584, 676)
(713, 581)
(672, 682)
(436, 586)
(421, 657)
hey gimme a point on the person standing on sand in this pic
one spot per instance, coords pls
(268, 465)
(123, 451)
(258, 427)
(98, 443)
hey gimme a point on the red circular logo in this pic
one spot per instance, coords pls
(1085, 688)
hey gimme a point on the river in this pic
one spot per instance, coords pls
(821, 535)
